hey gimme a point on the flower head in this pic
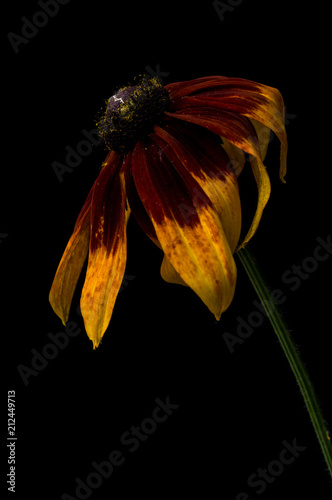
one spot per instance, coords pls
(176, 152)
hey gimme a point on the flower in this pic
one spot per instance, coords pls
(175, 154)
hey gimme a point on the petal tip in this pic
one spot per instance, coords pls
(94, 336)
(218, 316)
(58, 308)
(95, 344)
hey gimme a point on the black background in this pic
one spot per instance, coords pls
(235, 410)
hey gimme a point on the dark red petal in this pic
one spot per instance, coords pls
(161, 188)
(220, 85)
(180, 89)
(205, 146)
(237, 129)
(105, 208)
(135, 203)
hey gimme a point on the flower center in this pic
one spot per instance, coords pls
(131, 114)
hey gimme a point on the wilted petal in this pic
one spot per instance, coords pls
(205, 159)
(264, 191)
(169, 274)
(235, 155)
(178, 90)
(264, 137)
(235, 128)
(135, 203)
(192, 239)
(241, 133)
(253, 100)
(72, 261)
(107, 251)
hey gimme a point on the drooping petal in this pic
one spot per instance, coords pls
(264, 190)
(187, 226)
(235, 128)
(205, 159)
(71, 264)
(169, 274)
(240, 132)
(235, 155)
(207, 162)
(214, 177)
(107, 250)
(244, 97)
(263, 135)
(178, 90)
(135, 203)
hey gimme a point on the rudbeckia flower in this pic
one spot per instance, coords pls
(176, 152)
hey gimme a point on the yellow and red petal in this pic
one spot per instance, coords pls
(71, 264)
(235, 128)
(240, 132)
(253, 100)
(107, 249)
(187, 226)
(202, 155)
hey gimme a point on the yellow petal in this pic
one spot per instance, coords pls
(264, 191)
(70, 267)
(264, 137)
(169, 274)
(202, 258)
(235, 155)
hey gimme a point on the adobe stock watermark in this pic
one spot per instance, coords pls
(40, 358)
(293, 279)
(130, 441)
(259, 480)
(222, 8)
(30, 27)
(56, 343)
(157, 73)
(75, 155)
(3, 236)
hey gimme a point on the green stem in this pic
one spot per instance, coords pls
(291, 353)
